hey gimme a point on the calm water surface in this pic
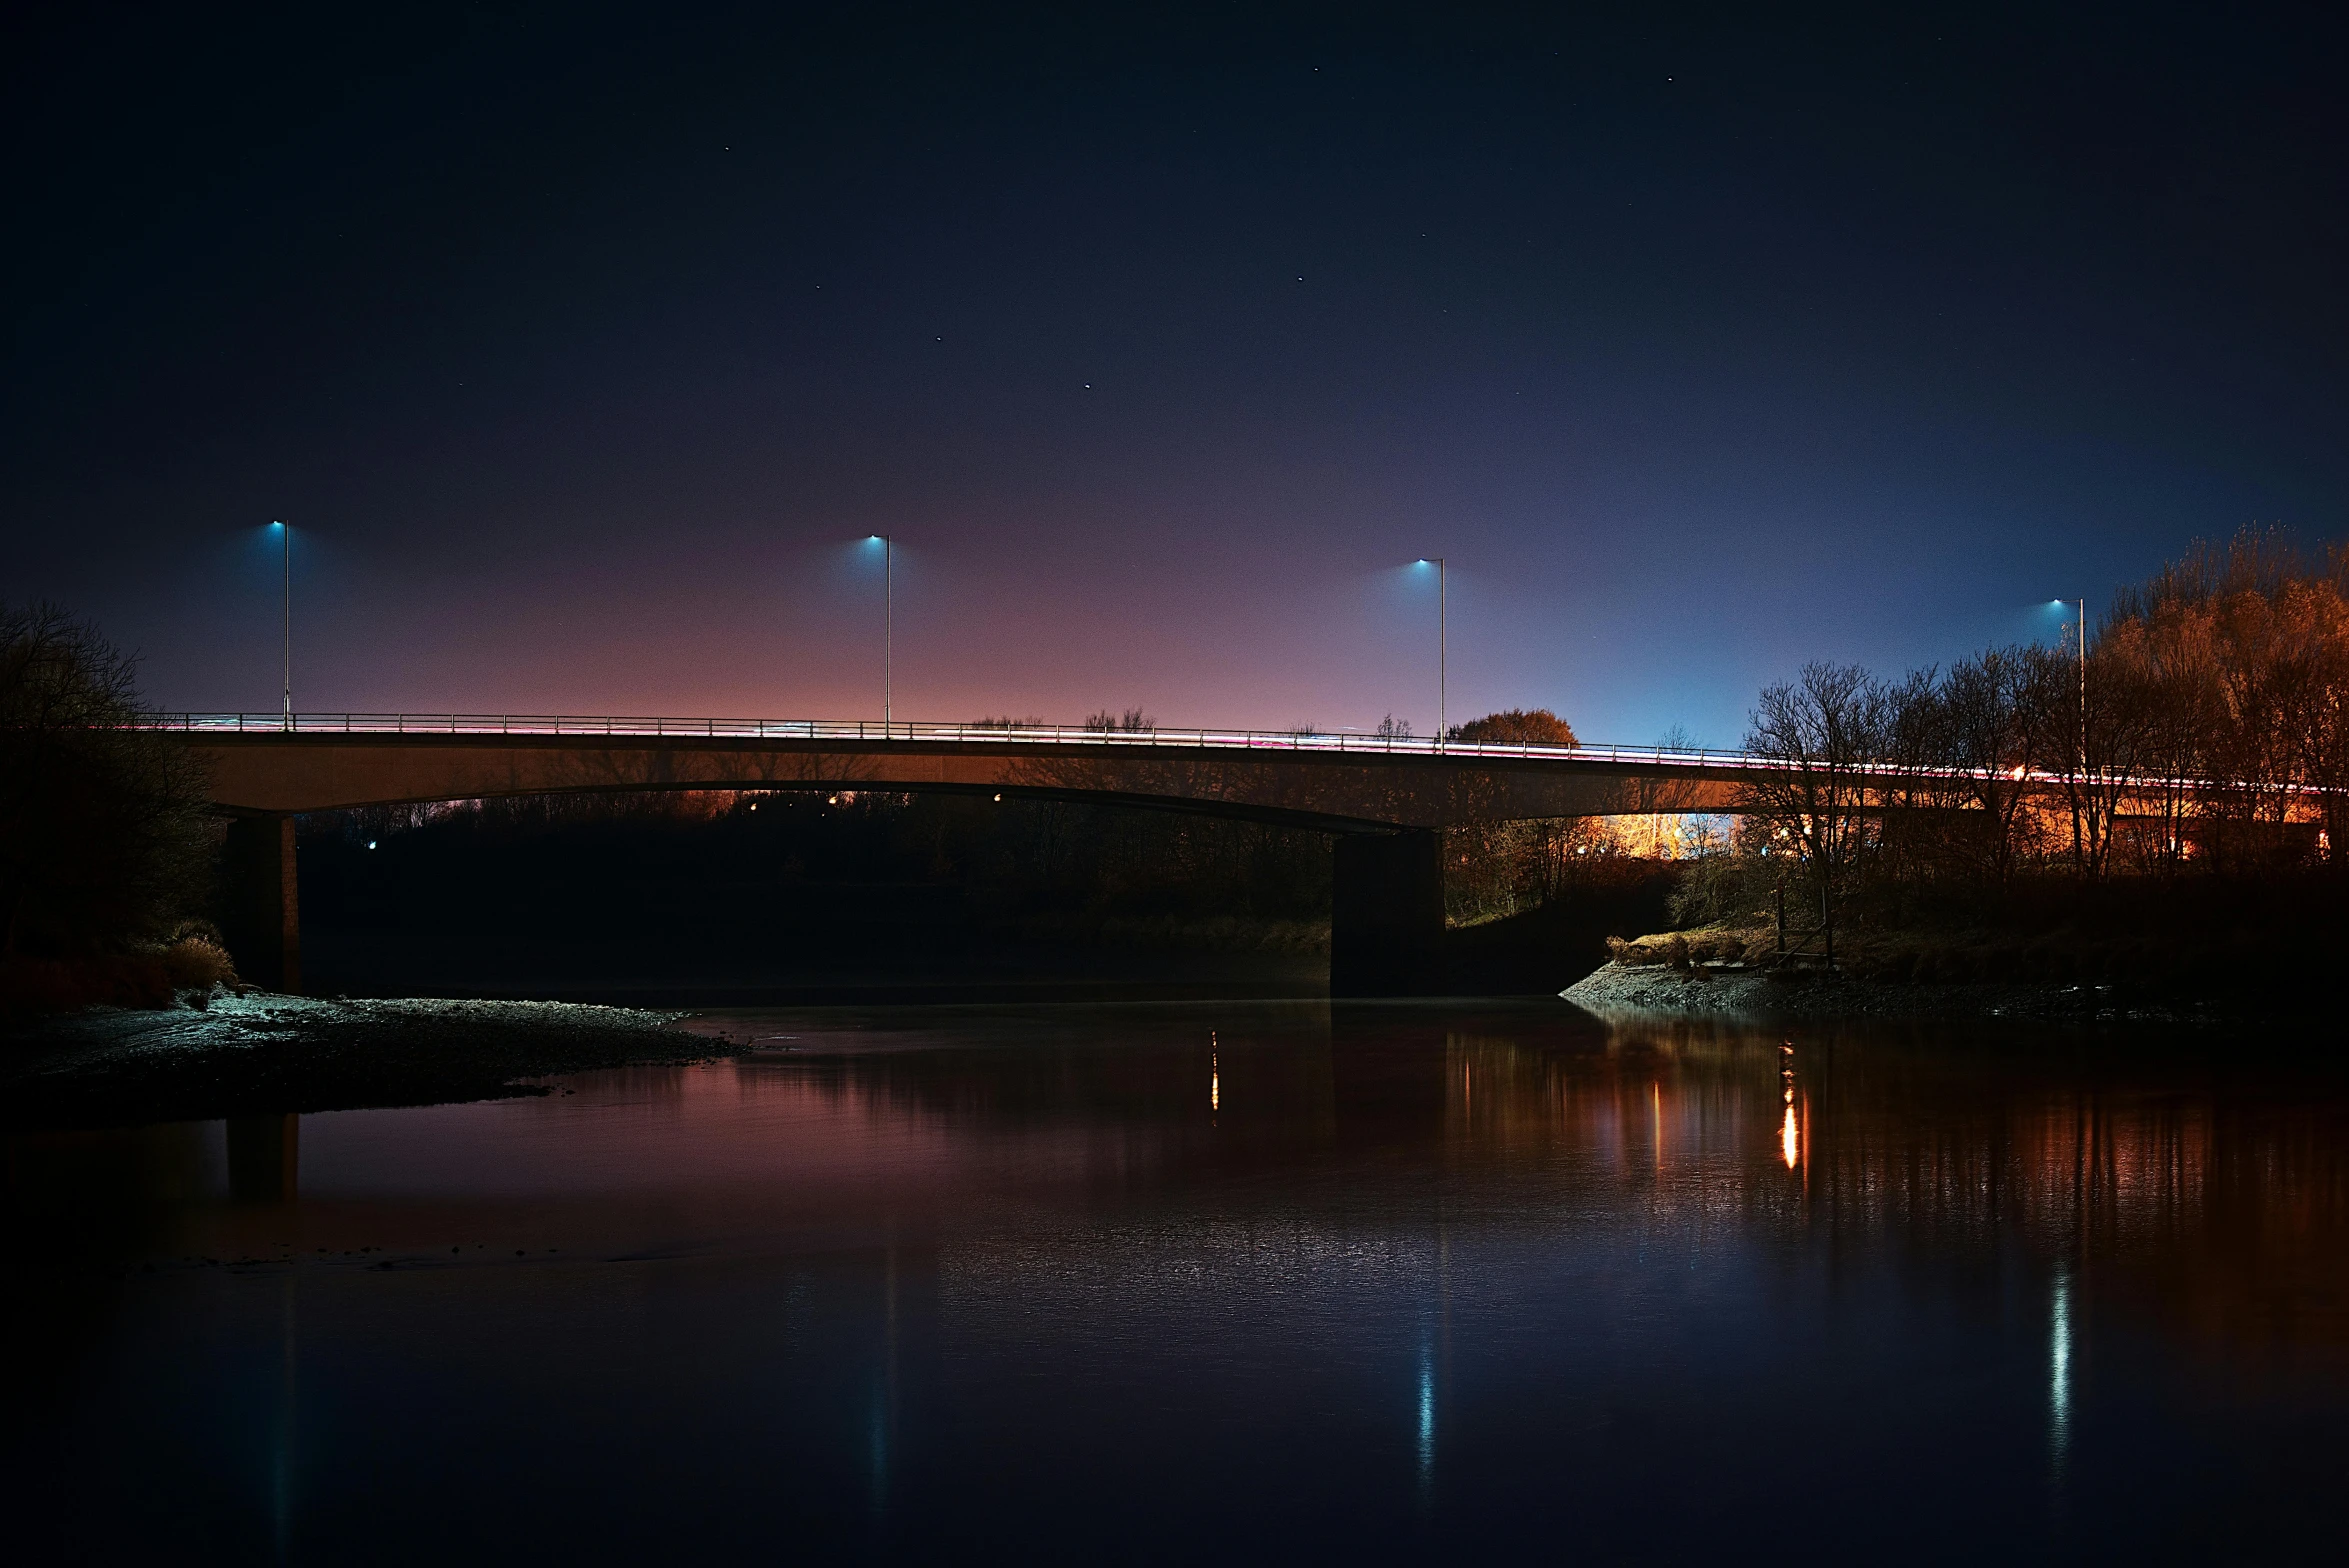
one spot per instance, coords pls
(1215, 1283)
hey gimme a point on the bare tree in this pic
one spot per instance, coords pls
(1131, 722)
(2232, 659)
(1994, 739)
(2322, 728)
(1816, 737)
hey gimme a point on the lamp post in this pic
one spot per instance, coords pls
(2083, 602)
(1442, 679)
(285, 538)
(888, 624)
(2082, 737)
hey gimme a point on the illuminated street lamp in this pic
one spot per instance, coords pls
(888, 627)
(2083, 605)
(1441, 678)
(285, 537)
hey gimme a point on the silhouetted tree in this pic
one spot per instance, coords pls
(1131, 722)
(104, 837)
(1992, 731)
(1517, 727)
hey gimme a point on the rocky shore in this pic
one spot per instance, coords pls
(1728, 991)
(260, 1054)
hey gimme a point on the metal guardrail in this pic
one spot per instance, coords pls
(584, 725)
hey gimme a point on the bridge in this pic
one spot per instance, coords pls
(1385, 798)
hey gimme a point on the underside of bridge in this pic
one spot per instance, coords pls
(1387, 904)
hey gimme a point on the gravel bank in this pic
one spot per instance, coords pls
(1655, 988)
(260, 1054)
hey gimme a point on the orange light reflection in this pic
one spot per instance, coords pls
(1790, 1137)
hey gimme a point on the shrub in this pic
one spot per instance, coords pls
(197, 963)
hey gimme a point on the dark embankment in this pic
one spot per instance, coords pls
(2211, 944)
(1541, 951)
(272, 1055)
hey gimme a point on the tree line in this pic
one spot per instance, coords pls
(2200, 729)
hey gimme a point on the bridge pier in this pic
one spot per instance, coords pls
(1386, 927)
(261, 913)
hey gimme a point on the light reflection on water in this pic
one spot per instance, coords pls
(2059, 1365)
(1437, 1278)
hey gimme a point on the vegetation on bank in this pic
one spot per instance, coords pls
(106, 845)
(2174, 793)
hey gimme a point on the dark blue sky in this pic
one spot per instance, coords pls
(579, 344)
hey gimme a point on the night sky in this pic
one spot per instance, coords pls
(579, 346)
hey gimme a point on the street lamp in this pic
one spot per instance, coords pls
(888, 626)
(2083, 686)
(2083, 737)
(285, 537)
(1441, 677)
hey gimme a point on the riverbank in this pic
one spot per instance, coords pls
(1711, 991)
(261, 1054)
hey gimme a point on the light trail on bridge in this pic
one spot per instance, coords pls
(1701, 759)
(906, 730)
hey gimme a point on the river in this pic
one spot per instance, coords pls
(1215, 1282)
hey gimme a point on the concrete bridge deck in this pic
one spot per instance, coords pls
(1333, 782)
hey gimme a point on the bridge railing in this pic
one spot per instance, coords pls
(1676, 759)
(1350, 742)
